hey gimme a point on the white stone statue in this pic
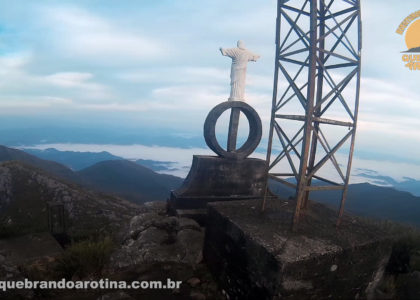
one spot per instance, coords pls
(240, 57)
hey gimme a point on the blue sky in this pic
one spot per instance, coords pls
(156, 64)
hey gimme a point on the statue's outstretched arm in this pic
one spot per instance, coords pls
(254, 57)
(227, 52)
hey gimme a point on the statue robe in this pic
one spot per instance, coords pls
(240, 58)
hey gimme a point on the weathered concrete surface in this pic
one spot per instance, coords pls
(256, 256)
(212, 178)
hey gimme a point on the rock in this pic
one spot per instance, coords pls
(10, 272)
(192, 242)
(409, 285)
(170, 224)
(140, 223)
(158, 207)
(116, 296)
(152, 236)
(5, 186)
(297, 285)
(157, 238)
(186, 223)
(197, 296)
(102, 213)
(194, 281)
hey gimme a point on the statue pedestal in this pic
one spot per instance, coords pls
(213, 178)
(229, 176)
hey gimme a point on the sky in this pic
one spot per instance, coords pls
(156, 65)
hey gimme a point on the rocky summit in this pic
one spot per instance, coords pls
(26, 192)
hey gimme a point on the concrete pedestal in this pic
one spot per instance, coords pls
(213, 178)
(256, 256)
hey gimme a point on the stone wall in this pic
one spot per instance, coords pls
(257, 256)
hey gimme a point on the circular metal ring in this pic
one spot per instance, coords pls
(255, 129)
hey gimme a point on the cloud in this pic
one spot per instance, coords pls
(69, 79)
(26, 105)
(137, 106)
(114, 107)
(164, 75)
(260, 20)
(389, 97)
(13, 62)
(78, 32)
(192, 97)
(19, 85)
(198, 87)
(390, 109)
(78, 80)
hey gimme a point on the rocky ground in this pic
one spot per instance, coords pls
(26, 192)
(153, 246)
(156, 246)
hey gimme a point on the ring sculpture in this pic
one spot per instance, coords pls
(255, 130)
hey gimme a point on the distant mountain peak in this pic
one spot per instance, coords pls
(73, 159)
(130, 180)
(7, 154)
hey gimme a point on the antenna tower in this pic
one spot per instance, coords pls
(315, 97)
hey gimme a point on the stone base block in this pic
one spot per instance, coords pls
(257, 256)
(213, 178)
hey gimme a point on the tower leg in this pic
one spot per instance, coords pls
(303, 168)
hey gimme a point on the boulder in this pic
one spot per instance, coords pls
(152, 238)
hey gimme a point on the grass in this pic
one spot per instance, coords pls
(85, 258)
(405, 258)
(13, 230)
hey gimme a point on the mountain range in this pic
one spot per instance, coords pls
(57, 169)
(77, 161)
(100, 198)
(407, 185)
(72, 159)
(129, 180)
(367, 200)
(118, 177)
(80, 160)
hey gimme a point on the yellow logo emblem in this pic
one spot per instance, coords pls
(411, 27)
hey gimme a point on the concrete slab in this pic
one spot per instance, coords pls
(257, 256)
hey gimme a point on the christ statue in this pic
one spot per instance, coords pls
(240, 57)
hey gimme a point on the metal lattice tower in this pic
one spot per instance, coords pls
(315, 96)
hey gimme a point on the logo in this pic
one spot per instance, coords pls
(411, 27)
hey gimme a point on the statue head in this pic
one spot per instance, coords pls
(241, 44)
